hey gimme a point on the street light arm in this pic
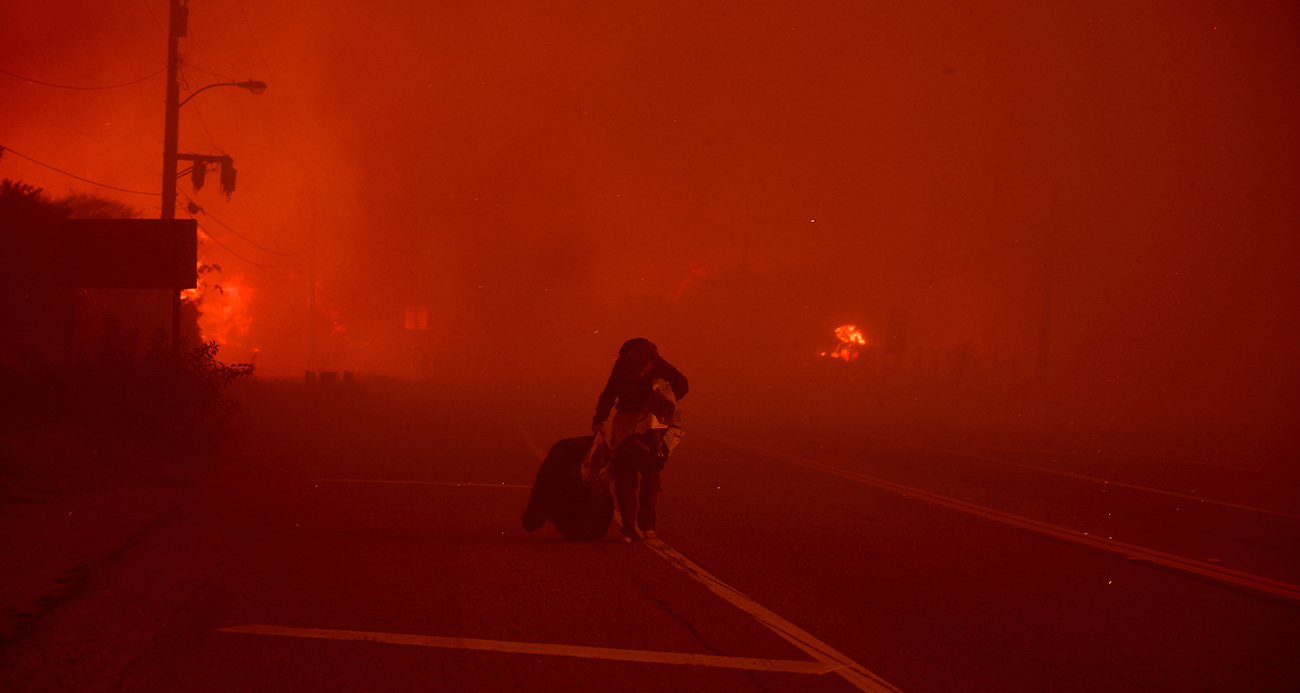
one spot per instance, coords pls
(252, 85)
(219, 84)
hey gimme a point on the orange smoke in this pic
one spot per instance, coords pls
(223, 311)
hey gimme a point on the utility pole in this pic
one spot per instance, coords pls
(177, 19)
(311, 281)
(178, 15)
(1049, 263)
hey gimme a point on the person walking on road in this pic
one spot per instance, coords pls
(643, 390)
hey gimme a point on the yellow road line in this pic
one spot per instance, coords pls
(853, 672)
(1259, 583)
(646, 656)
(1146, 455)
(826, 655)
(422, 483)
(531, 442)
(1093, 479)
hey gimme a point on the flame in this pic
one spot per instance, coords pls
(223, 313)
(848, 334)
(851, 342)
(189, 295)
(222, 304)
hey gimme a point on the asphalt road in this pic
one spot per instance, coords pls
(293, 570)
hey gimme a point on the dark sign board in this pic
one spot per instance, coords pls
(132, 253)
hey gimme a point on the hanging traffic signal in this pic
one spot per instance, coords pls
(198, 172)
(228, 176)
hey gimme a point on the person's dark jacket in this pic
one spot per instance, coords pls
(628, 387)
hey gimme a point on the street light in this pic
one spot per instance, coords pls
(171, 130)
(252, 85)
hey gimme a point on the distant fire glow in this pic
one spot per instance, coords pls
(850, 343)
(223, 313)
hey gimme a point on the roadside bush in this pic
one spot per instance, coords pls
(127, 394)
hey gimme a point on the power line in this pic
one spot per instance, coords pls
(249, 24)
(203, 122)
(194, 42)
(237, 255)
(226, 227)
(64, 86)
(153, 16)
(209, 72)
(255, 243)
(87, 180)
(227, 249)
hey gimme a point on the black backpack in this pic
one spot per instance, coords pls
(559, 495)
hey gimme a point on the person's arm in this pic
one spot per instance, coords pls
(605, 402)
(675, 379)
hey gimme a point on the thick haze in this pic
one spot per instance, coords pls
(731, 180)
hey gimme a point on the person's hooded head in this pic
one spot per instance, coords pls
(636, 356)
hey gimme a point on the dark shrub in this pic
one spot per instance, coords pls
(152, 395)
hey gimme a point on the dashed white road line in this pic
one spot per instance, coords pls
(647, 656)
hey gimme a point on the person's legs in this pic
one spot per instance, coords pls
(625, 483)
(645, 518)
(637, 455)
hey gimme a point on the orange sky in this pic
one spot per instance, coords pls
(550, 179)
